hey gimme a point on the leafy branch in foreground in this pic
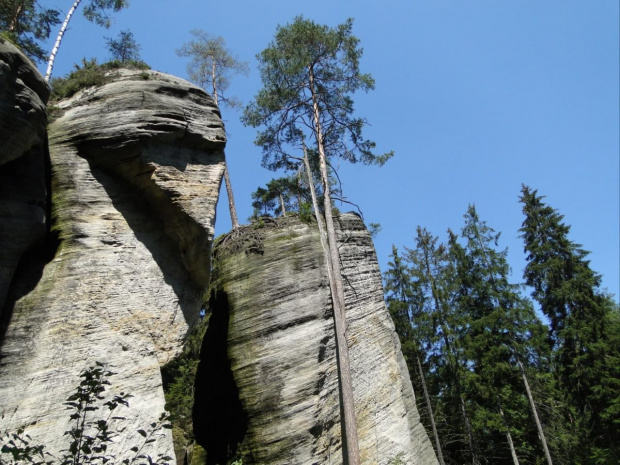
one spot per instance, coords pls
(90, 436)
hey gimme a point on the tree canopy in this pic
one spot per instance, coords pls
(124, 48)
(310, 70)
(212, 65)
(26, 24)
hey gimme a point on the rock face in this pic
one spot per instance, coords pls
(137, 165)
(24, 160)
(267, 387)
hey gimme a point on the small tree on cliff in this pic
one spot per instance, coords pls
(95, 10)
(211, 67)
(309, 73)
(124, 48)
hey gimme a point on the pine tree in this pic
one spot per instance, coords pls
(211, 67)
(26, 24)
(309, 73)
(401, 293)
(433, 272)
(584, 328)
(502, 334)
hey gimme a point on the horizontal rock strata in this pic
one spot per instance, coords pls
(274, 390)
(137, 167)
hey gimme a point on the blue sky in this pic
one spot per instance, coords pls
(475, 98)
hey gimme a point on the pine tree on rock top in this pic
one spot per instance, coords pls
(584, 327)
(309, 73)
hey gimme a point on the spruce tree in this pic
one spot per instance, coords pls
(404, 304)
(583, 328)
(502, 334)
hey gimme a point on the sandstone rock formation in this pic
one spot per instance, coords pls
(267, 387)
(137, 165)
(23, 161)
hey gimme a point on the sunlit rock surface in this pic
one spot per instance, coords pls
(267, 387)
(137, 165)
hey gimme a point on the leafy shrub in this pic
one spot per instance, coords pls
(90, 435)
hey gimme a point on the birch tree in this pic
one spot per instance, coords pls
(97, 11)
(309, 73)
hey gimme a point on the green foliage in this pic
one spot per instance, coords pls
(90, 74)
(125, 48)
(280, 195)
(305, 212)
(455, 309)
(90, 435)
(97, 11)
(26, 24)
(310, 71)
(178, 379)
(583, 328)
(212, 65)
(374, 229)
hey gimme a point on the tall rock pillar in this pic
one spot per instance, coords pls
(267, 385)
(137, 164)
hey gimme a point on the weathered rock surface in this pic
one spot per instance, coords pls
(23, 161)
(268, 376)
(137, 166)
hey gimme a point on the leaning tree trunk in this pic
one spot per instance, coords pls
(541, 433)
(352, 456)
(452, 359)
(50, 63)
(513, 452)
(231, 199)
(234, 220)
(427, 399)
(15, 19)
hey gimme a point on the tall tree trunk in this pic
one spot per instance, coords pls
(427, 399)
(213, 76)
(234, 220)
(541, 433)
(470, 434)
(452, 358)
(231, 199)
(282, 205)
(352, 456)
(16, 16)
(513, 452)
(61, 33)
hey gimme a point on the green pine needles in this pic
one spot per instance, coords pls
(502, 382)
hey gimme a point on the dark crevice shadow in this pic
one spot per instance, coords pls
(220, 422)
(29, 270)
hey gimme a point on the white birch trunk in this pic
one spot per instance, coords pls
(61, 33)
